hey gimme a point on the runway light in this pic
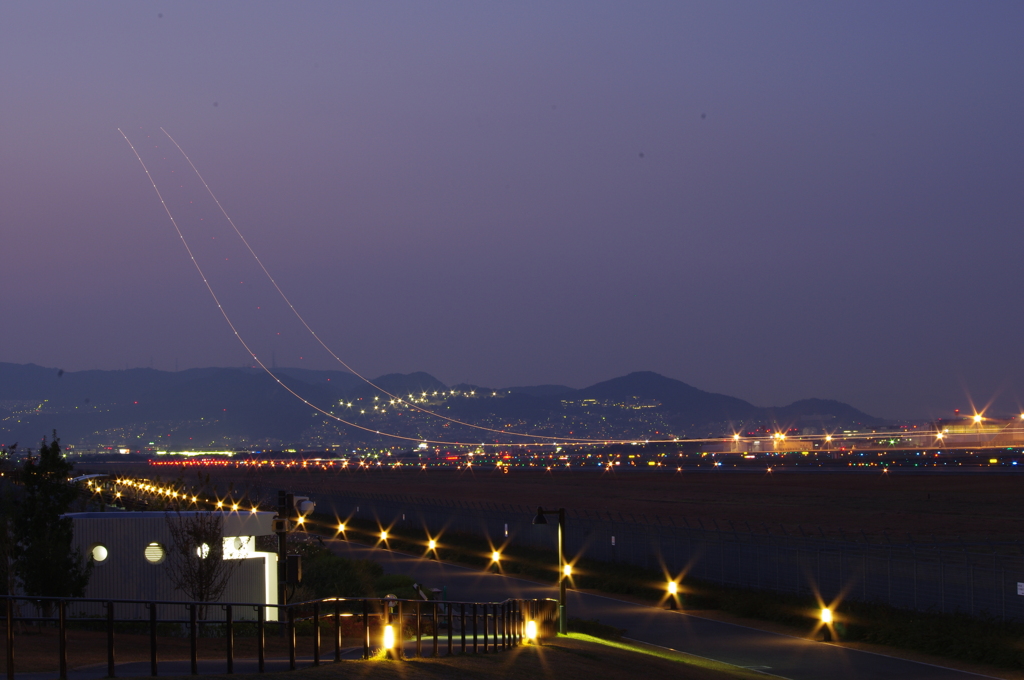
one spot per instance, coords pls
(531, 630)
(389, 636)
(826, 615)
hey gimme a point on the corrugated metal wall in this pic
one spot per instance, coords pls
(127, 574)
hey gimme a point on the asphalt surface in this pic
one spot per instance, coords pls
(771, 653)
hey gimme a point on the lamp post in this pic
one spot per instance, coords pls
(562, 575)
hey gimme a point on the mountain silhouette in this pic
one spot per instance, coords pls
(206, 407)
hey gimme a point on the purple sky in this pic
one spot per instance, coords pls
(770, 200)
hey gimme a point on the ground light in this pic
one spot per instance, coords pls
(673, 595)
(826, 621)
(389, 637)
(531, 630)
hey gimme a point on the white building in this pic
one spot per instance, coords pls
(129, 555)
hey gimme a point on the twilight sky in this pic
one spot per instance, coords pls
(770, 200)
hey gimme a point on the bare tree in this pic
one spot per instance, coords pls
(195, 561)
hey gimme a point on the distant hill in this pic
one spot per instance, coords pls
(400, 385)
(823, 411)
(207, 407)
(673, 394)
(541, 390)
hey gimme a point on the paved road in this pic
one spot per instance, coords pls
(771, 653)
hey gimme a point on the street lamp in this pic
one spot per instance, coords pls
(564, 570)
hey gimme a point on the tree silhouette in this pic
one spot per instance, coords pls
(44, 561)
(195, 561)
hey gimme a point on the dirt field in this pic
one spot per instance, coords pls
(985, 506)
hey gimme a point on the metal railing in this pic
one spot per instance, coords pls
(466, 626)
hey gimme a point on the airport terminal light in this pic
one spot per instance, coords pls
(564, 569)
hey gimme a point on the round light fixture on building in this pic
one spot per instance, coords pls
(202, 551)
(154, 553)
(99, 553)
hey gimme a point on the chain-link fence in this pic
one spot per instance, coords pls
(976, 579)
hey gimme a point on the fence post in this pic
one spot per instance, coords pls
(474, 629)
(366, 629)
(291, 637)
(10, 638)
(229, 621)
(110, 639)
(435, 628)
(399, 643)
(419, 630)
(316, 633)
(62, 636)
(337, 629)
(462, 627)
(152, 638)
(260, 642)
(193, 638)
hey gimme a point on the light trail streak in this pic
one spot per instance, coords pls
(268, 371)
(316, 337)
(548, 440)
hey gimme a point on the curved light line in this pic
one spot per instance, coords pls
(316, 337)
(269, 372)
(553, 440)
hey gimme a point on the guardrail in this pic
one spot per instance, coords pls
(383, 624)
